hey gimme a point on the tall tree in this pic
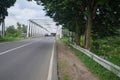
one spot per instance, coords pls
(24, 28)
(88, 12)
(10, 31)
(19, 26)
(4, 4)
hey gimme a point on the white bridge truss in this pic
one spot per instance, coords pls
(41, 27)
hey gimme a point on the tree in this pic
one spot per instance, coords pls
(24, 28)
(19, 26)
(64, 12)
(88, 13)
(11, 31)
(108, 20)
(4, 4)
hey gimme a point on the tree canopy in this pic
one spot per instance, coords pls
(4, 4)
(92, 18)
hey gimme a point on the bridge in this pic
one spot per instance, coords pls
(41, 27)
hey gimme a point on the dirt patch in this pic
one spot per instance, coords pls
(70, 67)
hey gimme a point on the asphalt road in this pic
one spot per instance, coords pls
(33, 59)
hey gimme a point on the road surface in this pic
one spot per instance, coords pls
(32, 59)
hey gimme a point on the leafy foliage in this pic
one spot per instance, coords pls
(96, 68)
(12, 32)
(101, 17)
(24, 28)
(4, 4)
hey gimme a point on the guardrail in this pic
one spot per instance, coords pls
(106, 64)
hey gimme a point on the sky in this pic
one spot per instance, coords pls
(23, 10)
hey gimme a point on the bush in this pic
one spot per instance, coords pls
(108, 47)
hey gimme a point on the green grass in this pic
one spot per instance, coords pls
(7, 39)
(64, 40)
(109, 46)
(94, 67)
(115, 59)
(63, 70)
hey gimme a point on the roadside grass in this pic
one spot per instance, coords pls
(63, 70)
(7, 39)
(63, 66)
(65, 40)
(108, 47)
(115, 59)
(94, 67)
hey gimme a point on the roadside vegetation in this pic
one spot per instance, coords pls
(107, 48)
(63, 70)
(93, 24)
(4, 5)
(94, 67)
(9, 33)
(12, 33)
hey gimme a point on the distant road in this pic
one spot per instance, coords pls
(33, 59)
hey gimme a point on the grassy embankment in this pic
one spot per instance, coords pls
(7, 39)
(63, 70)
(110, 48)
(63, 67)
(94, 67)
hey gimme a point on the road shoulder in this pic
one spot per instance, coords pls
(70, 67)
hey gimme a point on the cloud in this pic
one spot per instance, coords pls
(10, 21)
(23, 11)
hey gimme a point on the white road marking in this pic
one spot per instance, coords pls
(51, 65)
(15, 48)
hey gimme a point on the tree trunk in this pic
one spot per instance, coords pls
(3, 28)
(72, 38)
(69, 37)
(77, 34)
(88, 32)
(77, 39)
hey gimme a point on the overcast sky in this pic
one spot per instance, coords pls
(23, 11)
